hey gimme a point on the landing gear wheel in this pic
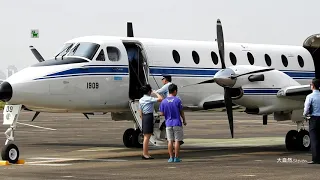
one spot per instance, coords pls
(10, 153)
(291, 140)
(303, 140)
(128, 137)
(138, 139)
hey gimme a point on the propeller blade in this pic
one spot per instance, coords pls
(220, 42)
(228, 103)
(203, 82)
(252, 72)
(129, 29)
(36, 53)
(35, 116)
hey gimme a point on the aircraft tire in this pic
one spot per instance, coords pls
(128, 137)
(291, 140)
(138, 138)
(303, 140)
(10, 152)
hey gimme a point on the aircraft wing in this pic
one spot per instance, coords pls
(298, 93)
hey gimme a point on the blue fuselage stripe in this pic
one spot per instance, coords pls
(156, 71)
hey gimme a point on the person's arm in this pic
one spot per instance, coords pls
(140, 111)
(159, 97)
(182, 112)
(162, 90)
(307, 104)
(183, 117)
(161, 111)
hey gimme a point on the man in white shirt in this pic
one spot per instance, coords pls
(166, 80)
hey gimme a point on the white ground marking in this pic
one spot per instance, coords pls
(46, 160)
(50, 164)
(36, 126)
(248, 175)
(49, 160)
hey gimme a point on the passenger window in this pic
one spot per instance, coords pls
(233, 58)
(267, 59)
(176, 56)
(284, 60)
(113, 53)
(300, 61)
(214, 58)
(195, 57)
(101, 56)
(250, 58)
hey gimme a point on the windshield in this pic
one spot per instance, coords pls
(64, 50)
(84, 49)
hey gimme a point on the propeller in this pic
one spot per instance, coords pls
(227, 90)
(203, 82)
(36, 53)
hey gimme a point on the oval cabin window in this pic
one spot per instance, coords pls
(300, 61)
(250, 58)
(233, 58)
(214, 58)
(284, 60)
(195, 57)
(113, 53)
(267, 59)
(176, 56)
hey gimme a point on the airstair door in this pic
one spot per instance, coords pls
(159, 134)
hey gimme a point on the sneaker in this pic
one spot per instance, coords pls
(170, 160)
(176, 159)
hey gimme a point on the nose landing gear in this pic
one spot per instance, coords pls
(10, 151)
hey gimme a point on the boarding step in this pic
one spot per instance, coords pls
(159, 133)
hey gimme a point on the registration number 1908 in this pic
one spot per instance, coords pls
(92, 85)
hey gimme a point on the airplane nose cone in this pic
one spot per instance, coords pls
(5, 91)
(223, 78)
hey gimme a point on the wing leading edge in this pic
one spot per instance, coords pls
(298, 93)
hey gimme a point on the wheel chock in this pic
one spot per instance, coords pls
(21, 161)
(4, 163)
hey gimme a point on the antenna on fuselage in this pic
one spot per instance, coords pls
(129, 29)
(36, 54)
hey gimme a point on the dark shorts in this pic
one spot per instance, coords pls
(147, 123)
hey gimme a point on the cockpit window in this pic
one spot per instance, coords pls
(66, 60)
(64, 50)
(101, 56)
(113, 53)
(84, 49)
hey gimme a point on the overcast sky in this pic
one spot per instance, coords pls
(253, 21)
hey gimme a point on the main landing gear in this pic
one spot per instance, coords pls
(298, 139)
(10, 151)
(133, 137)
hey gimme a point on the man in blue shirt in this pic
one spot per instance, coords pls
(171, 108)
(312, 108)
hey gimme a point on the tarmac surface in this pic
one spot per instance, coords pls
(68, 146)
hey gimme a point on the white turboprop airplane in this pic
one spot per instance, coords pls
(93, 75)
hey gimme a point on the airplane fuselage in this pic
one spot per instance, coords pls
(81, 82)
